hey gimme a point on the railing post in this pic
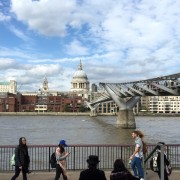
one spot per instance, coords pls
(121, 152)
(74, 159)
(49, 158)
(144, 164)
(162, 161)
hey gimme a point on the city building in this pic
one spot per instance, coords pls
(10, 86)
(8, 102)
(164, 104)
(94, 88)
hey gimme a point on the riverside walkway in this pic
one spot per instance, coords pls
(74, 175)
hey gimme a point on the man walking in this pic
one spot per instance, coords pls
(137, 156)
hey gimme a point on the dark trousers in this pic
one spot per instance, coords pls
(17, 172)
(165, 175)
(59, 171)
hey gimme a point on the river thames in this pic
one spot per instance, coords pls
(41, 130)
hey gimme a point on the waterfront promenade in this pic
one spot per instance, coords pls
(74, 175)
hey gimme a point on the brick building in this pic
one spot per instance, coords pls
(8, 102)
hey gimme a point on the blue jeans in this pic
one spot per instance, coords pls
(136, 165)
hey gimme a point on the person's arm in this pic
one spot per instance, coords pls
(135, 151)
(17, 157)
(166, 160)
(60, 158)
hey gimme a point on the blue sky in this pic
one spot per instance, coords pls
(116, 40)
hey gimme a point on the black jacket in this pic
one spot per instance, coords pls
(92, 174)
(166, 161)
(21, 156)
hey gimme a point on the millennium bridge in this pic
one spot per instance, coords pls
(127, 94)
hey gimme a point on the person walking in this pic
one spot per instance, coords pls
(21, 159)
(137, 156)
(167, 171)
(61, 160)
(120, 172)
(92, 173)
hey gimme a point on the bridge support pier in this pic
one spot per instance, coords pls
(92, 108)
(93, 113)
(125, 116)
(125, 119)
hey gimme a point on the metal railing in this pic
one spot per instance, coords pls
(40, 155)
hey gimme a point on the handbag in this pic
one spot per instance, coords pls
(168, 169)
(13, 160)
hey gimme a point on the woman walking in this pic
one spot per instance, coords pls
(61, 161)
(21, 159)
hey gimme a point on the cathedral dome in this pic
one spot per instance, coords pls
(80, 73)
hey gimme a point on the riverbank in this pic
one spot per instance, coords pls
(52, 114)
(44, 114)
(78, 114)
(158, 114)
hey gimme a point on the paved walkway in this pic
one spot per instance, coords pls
(74, 175)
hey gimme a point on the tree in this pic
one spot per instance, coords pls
(65, 108)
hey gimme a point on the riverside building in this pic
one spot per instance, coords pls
(44, 100)
(10, 87)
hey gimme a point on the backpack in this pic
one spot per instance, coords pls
(53, 161)
(12, 162)
(154, 163)
(145, 149)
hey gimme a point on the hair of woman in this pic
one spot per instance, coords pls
(139, 133)
(20, 141)
(119, 166)
(61, 148)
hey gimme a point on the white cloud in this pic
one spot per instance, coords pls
(44, 70)
(4, 17)
(76, 48)
(7, 63)
(47, 17)
(20, 34)
(15, 52)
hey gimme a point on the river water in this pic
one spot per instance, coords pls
(42, 130)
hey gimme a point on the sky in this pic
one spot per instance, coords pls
(116, 40)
